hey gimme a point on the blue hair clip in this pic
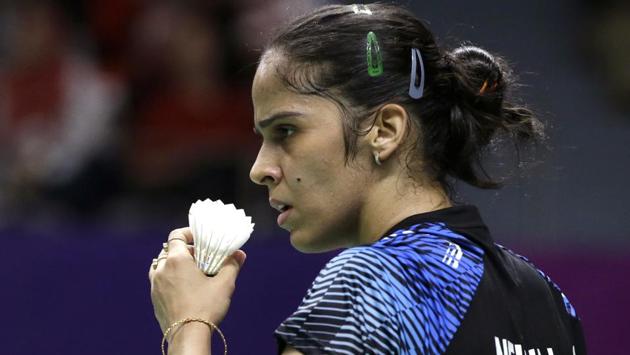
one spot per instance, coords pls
(416, 89)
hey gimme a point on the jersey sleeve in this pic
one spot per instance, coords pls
(344, 310)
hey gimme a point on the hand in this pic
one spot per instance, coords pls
(179, 289)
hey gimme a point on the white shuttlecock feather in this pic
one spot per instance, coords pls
(218, 230)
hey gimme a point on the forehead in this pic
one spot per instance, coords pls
(267, 85)
(271, 95)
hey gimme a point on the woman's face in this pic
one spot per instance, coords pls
(302, 163)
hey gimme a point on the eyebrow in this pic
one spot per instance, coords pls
(266, 122)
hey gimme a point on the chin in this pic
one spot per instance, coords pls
(310, 244)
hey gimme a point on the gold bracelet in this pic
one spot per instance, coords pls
(189, 320)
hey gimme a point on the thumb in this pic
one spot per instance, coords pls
(232, 265)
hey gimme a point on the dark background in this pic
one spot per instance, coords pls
(115, 115)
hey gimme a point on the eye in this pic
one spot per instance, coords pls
(284, 131)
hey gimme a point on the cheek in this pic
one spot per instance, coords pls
(328, 196)
(313, 164)
(329, 192)
(328, 220)
(322, 176)
(318, 175)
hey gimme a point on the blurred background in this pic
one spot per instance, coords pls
(115, 115)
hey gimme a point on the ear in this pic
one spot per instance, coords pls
(388, 132)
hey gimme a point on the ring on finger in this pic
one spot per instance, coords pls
(177, 238)
(157, 261)
(165, 247)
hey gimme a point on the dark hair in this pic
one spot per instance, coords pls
(464, 102)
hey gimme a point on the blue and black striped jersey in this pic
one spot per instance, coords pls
(434, 284)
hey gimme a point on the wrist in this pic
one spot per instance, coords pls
(193, 337)
(193, 340)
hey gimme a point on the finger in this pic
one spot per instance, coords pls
(151, 272)
(231, 266)
(240, 257)
(177, 247)
(152, 269)
(191, 248)
(180, 234)
(155, 263)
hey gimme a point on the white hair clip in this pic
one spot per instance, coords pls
(416, 80)
(361, 9)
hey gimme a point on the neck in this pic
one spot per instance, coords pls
(394, 199)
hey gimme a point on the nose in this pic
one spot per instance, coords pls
(265, 171)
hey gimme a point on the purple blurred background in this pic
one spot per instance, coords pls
(116, 114)
(72, 293)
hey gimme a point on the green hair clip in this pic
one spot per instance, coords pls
(374, 58)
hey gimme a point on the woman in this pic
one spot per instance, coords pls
(365, 122)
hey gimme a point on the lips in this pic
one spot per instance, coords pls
(282, 217)
(278, 205)
(282, 207)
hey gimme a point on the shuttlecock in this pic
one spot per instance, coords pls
(218, 230)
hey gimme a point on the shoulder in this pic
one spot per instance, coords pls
(376, 296)
(422, 243)
(400, 268)
(342, 308)
(356, 274)
(428, 250)
(536, 280)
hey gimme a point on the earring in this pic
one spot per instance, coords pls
(377, 159)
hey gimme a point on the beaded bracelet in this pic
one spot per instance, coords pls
(189, 320)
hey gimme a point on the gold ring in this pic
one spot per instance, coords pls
(177, 238)
(155, 262)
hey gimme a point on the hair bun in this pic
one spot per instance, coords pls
(482, 67)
